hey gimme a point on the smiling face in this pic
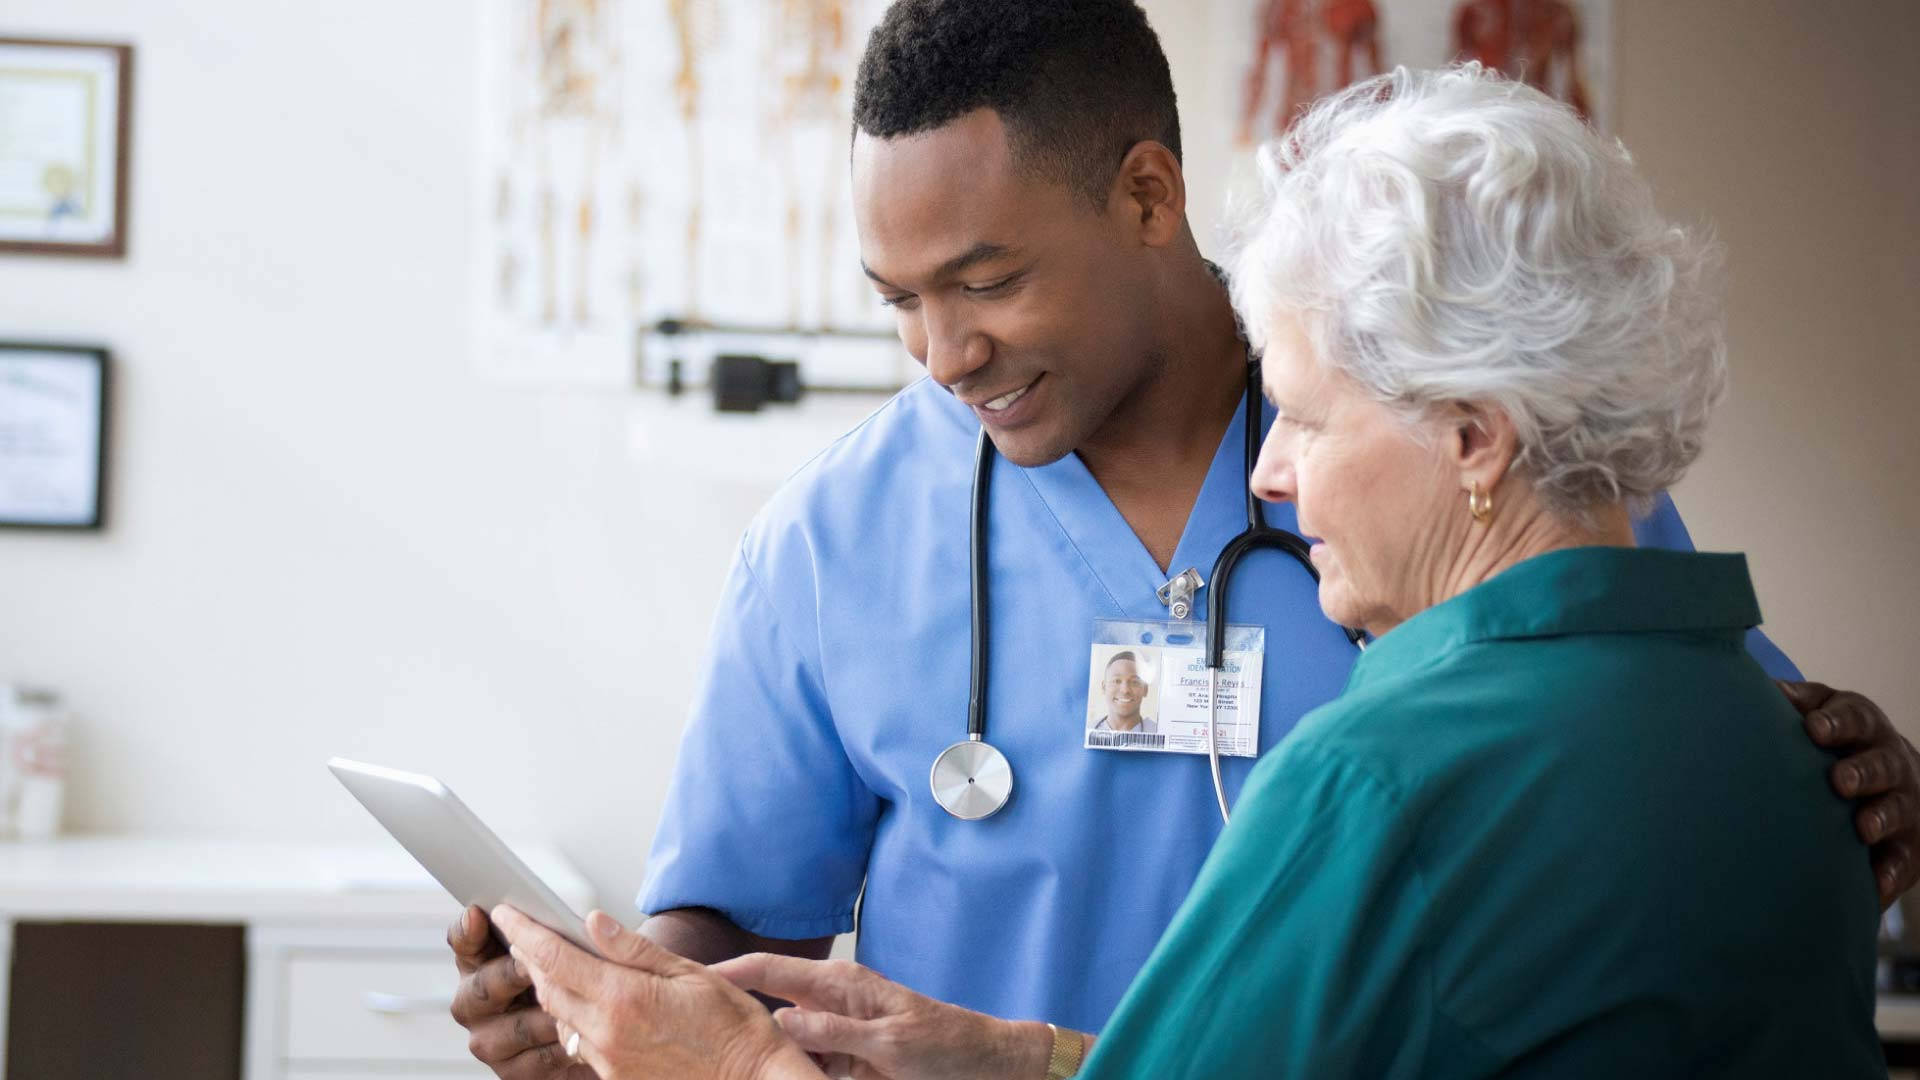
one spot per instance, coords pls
(1377, 496)
(1013, 292)
(1124, 690)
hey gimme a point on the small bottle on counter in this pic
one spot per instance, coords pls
(33, 762)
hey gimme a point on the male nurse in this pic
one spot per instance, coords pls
(1022, 210)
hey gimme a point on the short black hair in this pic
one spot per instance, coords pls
(1077, 82)
(1124, 654)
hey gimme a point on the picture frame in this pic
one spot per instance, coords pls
(66, 111)
(53, 436)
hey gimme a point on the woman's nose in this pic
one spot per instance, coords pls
(1272, 478)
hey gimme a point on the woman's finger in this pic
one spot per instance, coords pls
(835, 1065)
(821, 985)
(602, 1064)
(589, 1019)
(559, 960)
(828, 1032)
(569, 1007)
(629, 949)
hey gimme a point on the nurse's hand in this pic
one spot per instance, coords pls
(1880, 773)
(645, 1012)
(864, 1026)
(506, 1031)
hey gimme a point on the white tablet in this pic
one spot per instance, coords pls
(456, 847)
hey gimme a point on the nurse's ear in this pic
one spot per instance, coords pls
(1149, 195)
(1480, 443)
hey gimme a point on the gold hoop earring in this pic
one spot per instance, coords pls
(1480, 503)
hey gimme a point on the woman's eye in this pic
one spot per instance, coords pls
(898, 301)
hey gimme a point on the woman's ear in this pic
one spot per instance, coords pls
(1150, 193)
(1481, 443)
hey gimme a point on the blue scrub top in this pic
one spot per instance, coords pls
(838, 672)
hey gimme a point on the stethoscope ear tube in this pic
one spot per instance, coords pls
(1257, 536)
(977, 572)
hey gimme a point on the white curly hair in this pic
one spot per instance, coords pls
(1453, 236)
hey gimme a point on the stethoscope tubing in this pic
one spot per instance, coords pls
(1258, 534)
(977, 577)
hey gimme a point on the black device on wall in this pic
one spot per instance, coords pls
(744, 383)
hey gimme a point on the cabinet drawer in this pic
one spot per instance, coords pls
(386, 1008)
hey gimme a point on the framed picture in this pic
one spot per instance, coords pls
(53, 436)
(65, 107)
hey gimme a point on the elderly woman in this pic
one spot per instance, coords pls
(1484, 348)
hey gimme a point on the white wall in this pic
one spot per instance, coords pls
(1794, 129)
(328, 536)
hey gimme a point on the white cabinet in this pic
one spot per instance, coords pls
(324, 1000)
(348, 974)
(379, 1006)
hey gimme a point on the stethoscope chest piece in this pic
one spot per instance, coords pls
(971, 780)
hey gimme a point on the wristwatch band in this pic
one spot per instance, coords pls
(1069, 1050)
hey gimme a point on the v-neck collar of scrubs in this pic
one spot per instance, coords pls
(1587, 590)
(1108, 544)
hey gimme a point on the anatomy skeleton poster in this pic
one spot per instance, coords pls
(663, 159)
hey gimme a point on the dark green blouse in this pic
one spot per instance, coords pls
(1560, 825)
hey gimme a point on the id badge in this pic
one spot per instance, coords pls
(1147, 688)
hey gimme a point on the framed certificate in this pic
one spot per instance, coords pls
(53, 436)
(64, 110)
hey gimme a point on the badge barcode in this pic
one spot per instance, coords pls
(1126, 738)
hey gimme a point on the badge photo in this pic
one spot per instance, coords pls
(1123, 702)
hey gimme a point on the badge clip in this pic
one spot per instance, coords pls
(1177, 594)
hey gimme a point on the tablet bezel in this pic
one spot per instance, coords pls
(451, 843)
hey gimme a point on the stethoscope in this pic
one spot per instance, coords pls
(973, 780)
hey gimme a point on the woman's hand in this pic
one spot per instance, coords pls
(644, 1012)
(871, 1029)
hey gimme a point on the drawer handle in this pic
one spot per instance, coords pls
(400, 1004)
